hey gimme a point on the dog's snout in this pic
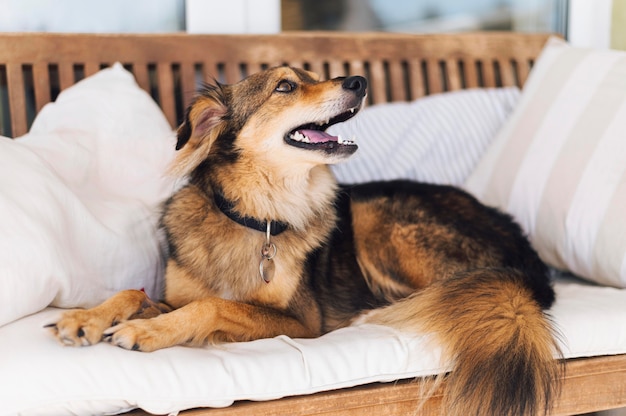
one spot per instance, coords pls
(357, 84)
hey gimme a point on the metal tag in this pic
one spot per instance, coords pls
(266, 266)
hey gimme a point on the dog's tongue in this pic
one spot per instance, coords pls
(316, 136)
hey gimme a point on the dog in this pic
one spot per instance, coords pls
(263, 242)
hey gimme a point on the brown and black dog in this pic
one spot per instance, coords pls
(263, 242)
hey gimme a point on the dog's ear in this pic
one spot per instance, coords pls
(202, 116)
(204, 120)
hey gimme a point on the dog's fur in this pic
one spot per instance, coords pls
(418, 257)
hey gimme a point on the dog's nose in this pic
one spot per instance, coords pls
(356, 84)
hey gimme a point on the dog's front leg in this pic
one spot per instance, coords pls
(203, 321)
(82, 327)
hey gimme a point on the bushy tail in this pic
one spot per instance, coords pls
(499, 341)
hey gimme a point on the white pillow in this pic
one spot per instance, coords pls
(79, 197)
(559, 164)
(437, 139)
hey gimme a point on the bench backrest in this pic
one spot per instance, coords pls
(34, 67)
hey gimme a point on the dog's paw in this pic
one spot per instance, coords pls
(144, 335)
(79, 328)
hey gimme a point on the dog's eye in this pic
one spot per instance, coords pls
(285, 86)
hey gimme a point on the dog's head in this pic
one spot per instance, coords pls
(275, 115)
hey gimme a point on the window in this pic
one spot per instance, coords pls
(425, 15)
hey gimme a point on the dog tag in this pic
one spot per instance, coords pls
(266, 266)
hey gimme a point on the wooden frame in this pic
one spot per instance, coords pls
(35, 67)
(590, 384)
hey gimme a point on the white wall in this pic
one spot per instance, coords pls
(233, 16)
(590, 23)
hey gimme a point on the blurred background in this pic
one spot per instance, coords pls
(275, 15)
(597, 23)
(426, 15)
(590, 23)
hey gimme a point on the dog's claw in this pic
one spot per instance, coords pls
(108, 333)
(143, 335)
(77, 328)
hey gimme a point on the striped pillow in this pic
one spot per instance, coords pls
(437, 139)
(559, 164)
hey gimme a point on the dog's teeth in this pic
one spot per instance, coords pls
(352, 110)
(323, 122)
(299, 137)
(341, 140)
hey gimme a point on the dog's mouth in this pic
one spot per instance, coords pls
(313, 136)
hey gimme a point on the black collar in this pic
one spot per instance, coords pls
(228, 208)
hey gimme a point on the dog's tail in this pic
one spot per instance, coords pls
(499, 341)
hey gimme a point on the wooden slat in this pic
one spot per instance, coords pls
(245, 69)
(41, 84)
(317, 67)
(187, 82)
(232, 73)
(296, 63)
(453, 75)
(17, 99)
(209, 71)
(377, 82)
(416, 78)
(471, 73)
(398, 87)
(489, 76)
(507, 73)
(166, 91)
(140, 71)
(433, 76)
(66, 75)
(336, 69)
(91, 68)
(356, 67)
(523, 69)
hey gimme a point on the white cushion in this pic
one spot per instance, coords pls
(437, 139)
(559, 164)
(42, 377)
(79, 198)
